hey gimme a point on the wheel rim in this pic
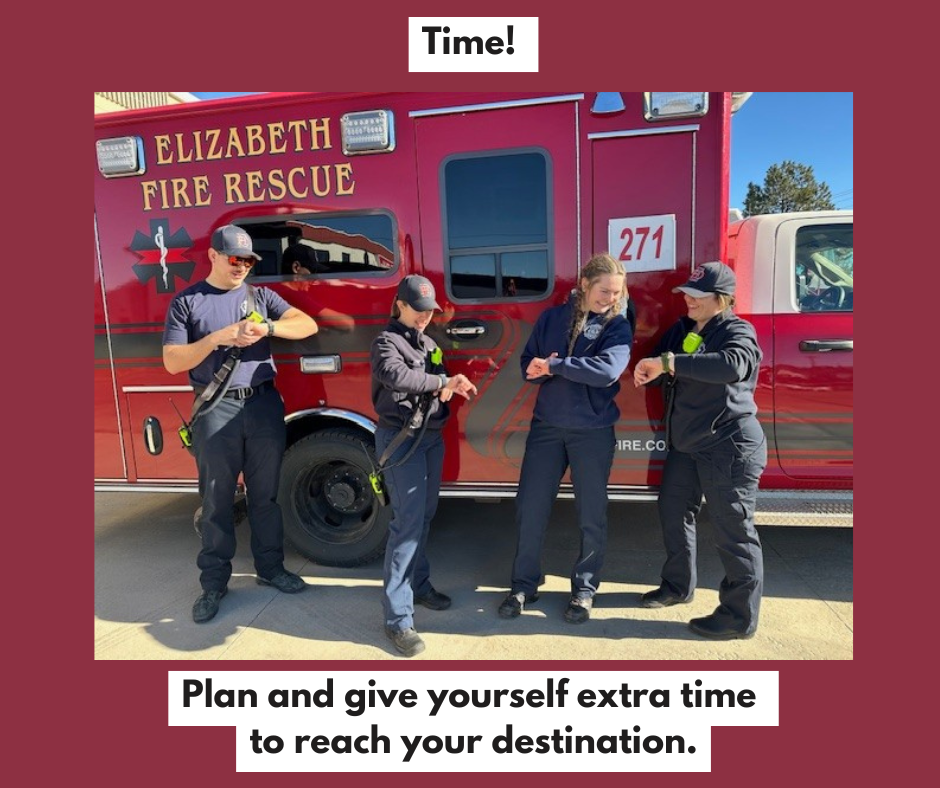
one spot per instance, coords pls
(334, 502)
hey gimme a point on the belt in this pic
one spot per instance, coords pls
(244, 393)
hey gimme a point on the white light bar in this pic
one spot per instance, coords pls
(120, 156)
(368, 132)
(320, 365)
(666, 106)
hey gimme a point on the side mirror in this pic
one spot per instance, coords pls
(153, 435)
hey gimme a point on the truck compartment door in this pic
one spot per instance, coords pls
(497, 187)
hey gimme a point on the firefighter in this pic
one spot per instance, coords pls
(707, 364)
(576, 355)
(300, 259)
(243, 432)
(410, 392)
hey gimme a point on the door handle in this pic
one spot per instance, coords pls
(465, 329)
(826, 345)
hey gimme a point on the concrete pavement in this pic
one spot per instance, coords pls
(146, 581)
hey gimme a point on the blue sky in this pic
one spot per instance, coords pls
(808, 128)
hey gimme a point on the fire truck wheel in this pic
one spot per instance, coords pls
(331, 514)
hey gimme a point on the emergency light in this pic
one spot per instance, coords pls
(665, 106)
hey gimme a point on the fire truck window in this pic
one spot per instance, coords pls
(497, 226)
(473, 276)
(323, 246)
(824, 268)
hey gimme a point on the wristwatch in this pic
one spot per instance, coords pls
(443, 378)
(270, 324)
(665, 359)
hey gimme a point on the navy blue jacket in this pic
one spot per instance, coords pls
(402, 373)
(581, 390)
(712, 393)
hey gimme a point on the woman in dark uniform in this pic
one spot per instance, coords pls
(411, 386)
(708, 364)
(575, 355)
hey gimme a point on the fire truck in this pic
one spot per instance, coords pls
(497, 198)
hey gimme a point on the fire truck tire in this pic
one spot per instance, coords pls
(331, 514)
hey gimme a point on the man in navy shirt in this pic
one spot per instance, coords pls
(244, 432)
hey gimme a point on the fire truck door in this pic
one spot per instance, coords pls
(499, 216)
(643, 201)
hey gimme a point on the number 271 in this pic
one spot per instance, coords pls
(644, 233)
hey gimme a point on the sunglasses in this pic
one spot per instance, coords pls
(235, 262)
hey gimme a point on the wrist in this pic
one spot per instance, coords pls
(270, 324)
(444, 381)
(667, 362)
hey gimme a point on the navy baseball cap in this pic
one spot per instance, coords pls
(418, 293)
(708, 279)
(234, 241)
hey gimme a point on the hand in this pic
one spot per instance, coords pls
(250, 332)
(539, 367)
(647, 369)
(460, 384)
(228, 336)
(445, 394)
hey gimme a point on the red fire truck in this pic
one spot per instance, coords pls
(497, 198)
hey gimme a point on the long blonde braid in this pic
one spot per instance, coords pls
(599, 265)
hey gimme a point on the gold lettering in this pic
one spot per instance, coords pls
(215, 153)
(318, 128)
(255, 140)
(163, 148)
(297, 127)
(234, 141)
(344, 173)
(295, 192)
(201, 188)
(233, 189)
(181, 156)
(180, 197)
(150, 191)
(198, 139)
(255, 181)
(277, 189)
(275, 134)
(314, 176)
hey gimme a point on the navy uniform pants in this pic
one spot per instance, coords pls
(549, 452)
(414, 489)
(728, 475)
(240, 436)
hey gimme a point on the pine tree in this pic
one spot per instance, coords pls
(788, 186)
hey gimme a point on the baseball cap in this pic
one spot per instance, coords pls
(707, 279)
(233, 241)
(305, 255)
(417, 292)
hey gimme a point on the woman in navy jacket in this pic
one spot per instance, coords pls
(708, 364)
(576, 355)
(410, 386)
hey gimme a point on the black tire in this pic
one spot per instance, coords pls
(331, 514)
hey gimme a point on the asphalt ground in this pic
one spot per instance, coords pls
(146, 581)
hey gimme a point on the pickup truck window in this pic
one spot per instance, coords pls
(824, 268)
